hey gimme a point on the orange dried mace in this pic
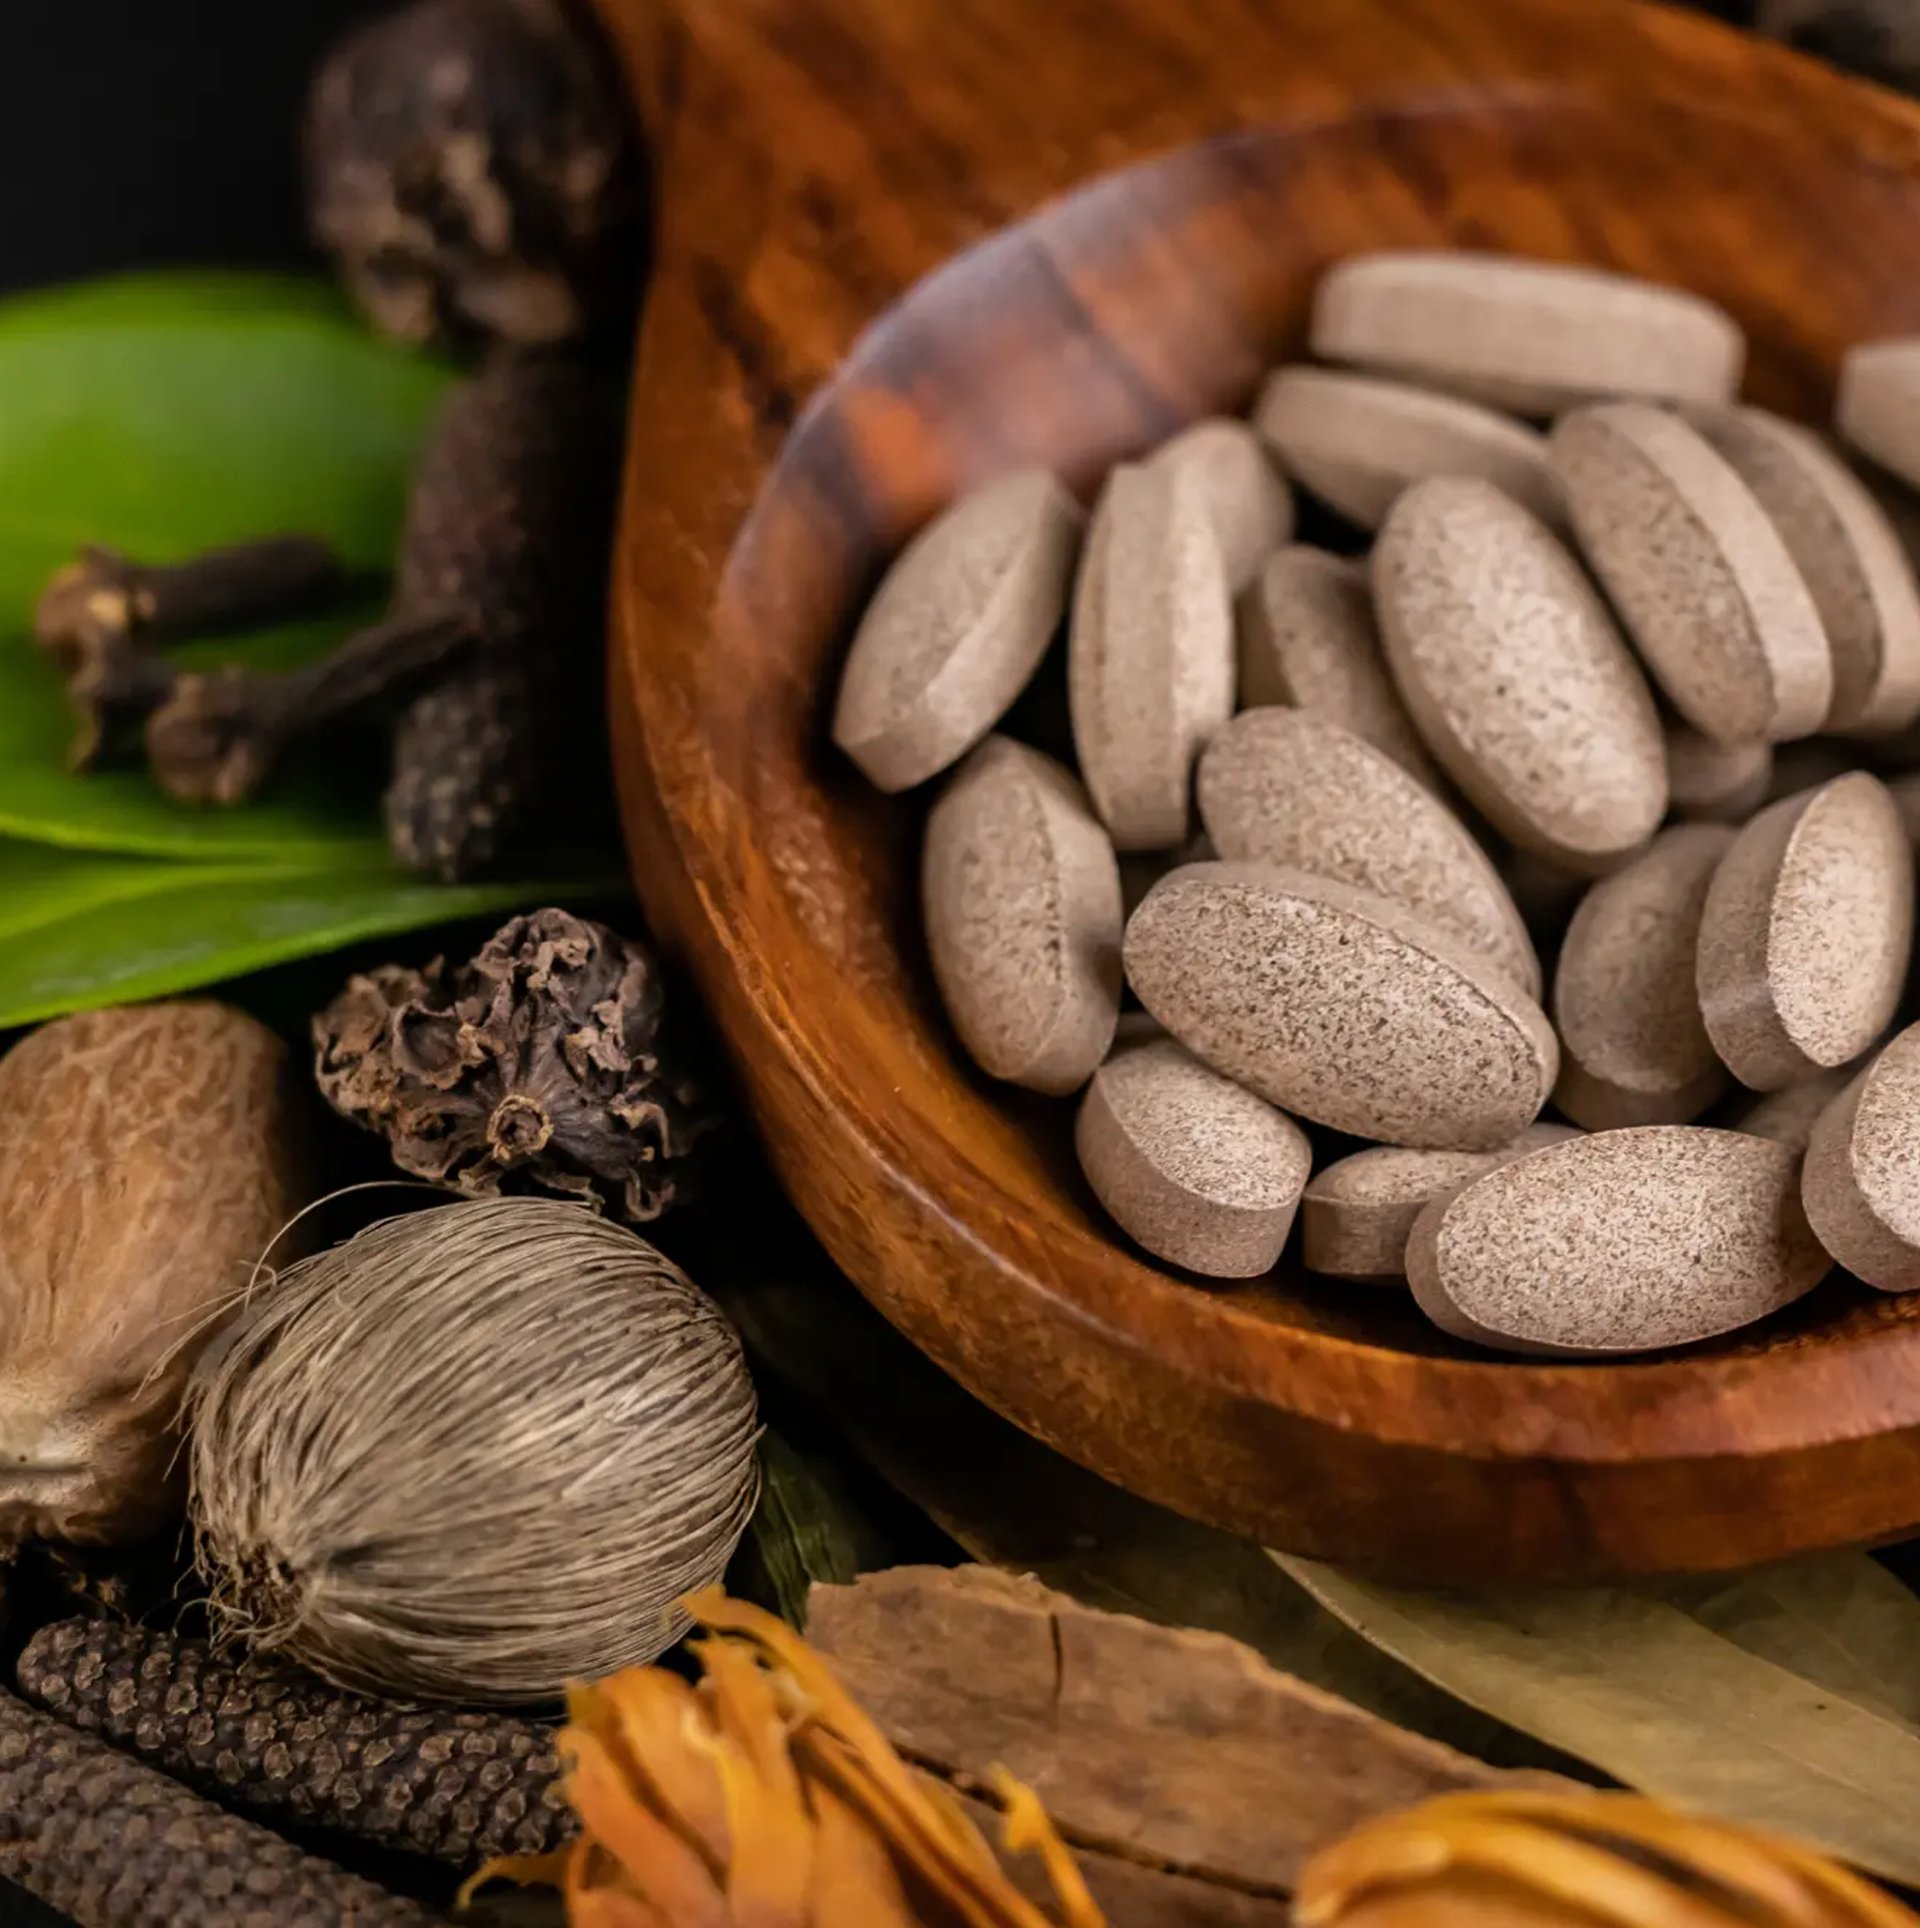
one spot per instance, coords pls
(765, 1798)
(1517, 1860)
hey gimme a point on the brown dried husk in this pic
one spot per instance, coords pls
(472, 1454)
(149, 1159)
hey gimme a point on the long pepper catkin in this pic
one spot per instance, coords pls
(116, 1844)
(284, 1745)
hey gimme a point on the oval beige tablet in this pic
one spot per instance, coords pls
(1358, 442)
(1847, 554)
(956, 628)
(1861, 1183)
(1247, 497)
(1621, 1241)
(1195, 1168)
(1806, 933)
(1788, 1115)
(1633, 1048)
(1021, 896)
(1340, 1007)
(1878, 406)
(1355, 1216)
(1698, 572)
(1288, 787)
(1715, 782)
(1307, 638)
(1533, 336)
(1150, 654)
(1520, 683)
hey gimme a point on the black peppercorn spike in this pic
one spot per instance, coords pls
(116, 1844)
(271, 1739)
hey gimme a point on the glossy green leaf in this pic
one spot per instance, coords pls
(162, 414)
(1765, 1699)
(79, 931)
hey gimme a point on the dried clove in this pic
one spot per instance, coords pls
(279, 1743)
(546, 1060)
(116, 1844)
(469, 163)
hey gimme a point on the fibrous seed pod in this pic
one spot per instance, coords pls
(283, 1745)
(472, 1454)
(116, 1844)
(546, 1059)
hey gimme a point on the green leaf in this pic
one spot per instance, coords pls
(82, 931)
(808, 1528)
(160, 415)
(1741, 1706)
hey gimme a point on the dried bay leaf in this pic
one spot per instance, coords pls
(1664, 1701)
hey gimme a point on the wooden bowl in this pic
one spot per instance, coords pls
(904, 245)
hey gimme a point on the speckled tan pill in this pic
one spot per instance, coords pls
(1355, 1216)
(1788, 1115)
(1715, 782)
(1878, 407)
(1021, 897)
(1847, 554)
(1247, 497)
(1861, 1182)
(1195, 1168)
(1806, 934)
(1357, 442)
(1150, 655)
(957, 628)
(1514, 672)
(1288, 787)
(1622, 1241)
(1633, 1049)
(1532, 336)
(1698, 572)
(1340, 1007)
(1307, 639)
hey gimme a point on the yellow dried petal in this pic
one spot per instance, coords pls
(658, 1864)
(1030, 1830)
(767, 1817)
(663, 1732)
(523, 1870)
(1579, 1861)
(853, 1879)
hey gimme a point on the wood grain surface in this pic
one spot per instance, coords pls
(903, 245)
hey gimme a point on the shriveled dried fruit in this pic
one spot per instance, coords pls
(545, 1061)
(765, 1795)
(1519, 1860)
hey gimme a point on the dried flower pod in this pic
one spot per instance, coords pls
(150, 1160)
(541, 1062)
(283, 1745)
(469, 163)
(767, 1794)
(471, 1455)
(115, 1844)
(1517, 1860)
